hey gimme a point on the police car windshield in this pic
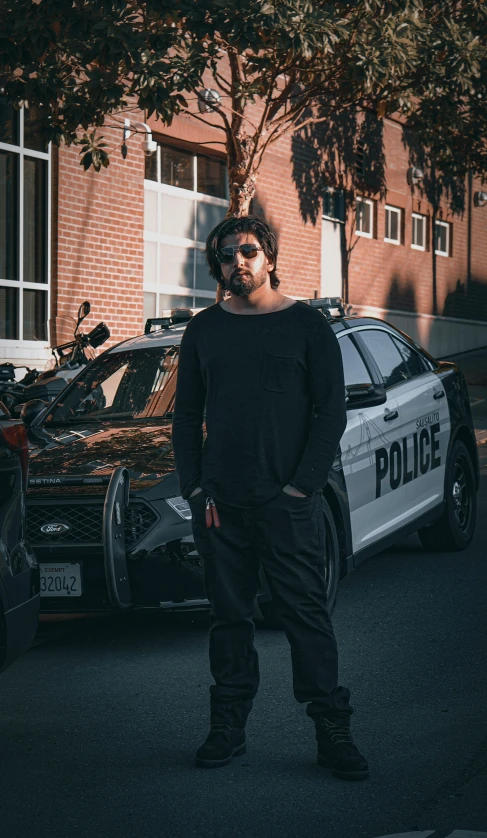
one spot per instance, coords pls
(138, 384)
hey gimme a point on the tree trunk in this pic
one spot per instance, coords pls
(242, 190)
(241, 193)
(242, 173)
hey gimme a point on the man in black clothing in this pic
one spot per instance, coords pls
(268, 371)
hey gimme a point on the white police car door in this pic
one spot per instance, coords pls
(410, 470)
(427, 417)
(367, 431)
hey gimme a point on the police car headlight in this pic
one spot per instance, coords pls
(180, 506)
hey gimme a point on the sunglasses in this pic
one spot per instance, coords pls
(227, 254)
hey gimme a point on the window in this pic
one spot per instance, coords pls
(413, 360)
(24, 226)
(386, 355)
(129, 384)
(364, 217)
(186, 195)
(211, 176)
(177, 167)
(354, 368)
(393, 225)
(334, 204)
(442, 238)
(418, 235)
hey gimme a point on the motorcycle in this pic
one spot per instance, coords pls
(68, 359)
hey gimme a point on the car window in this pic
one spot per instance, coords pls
(411, 358)
(386, 355)
(135, 384)
(354, 368)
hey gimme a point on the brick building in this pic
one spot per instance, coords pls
(130, 238)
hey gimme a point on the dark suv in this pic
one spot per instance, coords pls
(19, 571)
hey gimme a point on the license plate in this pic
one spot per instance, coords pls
(60, 579)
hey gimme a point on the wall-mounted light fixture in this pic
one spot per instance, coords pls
(208, 100)
(414, 175)
(480, 199)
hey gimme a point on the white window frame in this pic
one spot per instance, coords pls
(191, 244)
(16, 347)
(416, 216)
(358, 200)
(446, 225)
(398, 211)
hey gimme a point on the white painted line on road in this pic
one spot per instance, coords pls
(457, 833)
(409, 834)
(474, 402)
(466, 833)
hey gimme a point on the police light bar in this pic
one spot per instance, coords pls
(327, 303)
(171, 318)
(163, 322)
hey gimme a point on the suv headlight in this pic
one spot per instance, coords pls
(180, 506)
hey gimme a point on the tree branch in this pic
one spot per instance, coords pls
(237, 76)
(264, 119)
(277, 104)
(227, 108)
(208, 124)
(222, 82)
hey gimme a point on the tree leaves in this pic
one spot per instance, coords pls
(301, 59)
(93, 152)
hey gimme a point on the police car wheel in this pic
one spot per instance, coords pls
(332, 570)
(455, 529)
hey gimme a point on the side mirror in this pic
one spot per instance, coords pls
(83, 311)
(98, 335)
(31, 410)
(359, 396)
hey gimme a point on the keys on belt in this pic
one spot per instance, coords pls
(211, 513)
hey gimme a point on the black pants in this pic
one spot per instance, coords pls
(288, 536)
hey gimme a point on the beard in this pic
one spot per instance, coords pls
(243, 283)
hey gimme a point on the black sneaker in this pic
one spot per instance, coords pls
(337, 750)
(222, 743)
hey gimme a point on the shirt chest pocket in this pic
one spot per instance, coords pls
(277, 372)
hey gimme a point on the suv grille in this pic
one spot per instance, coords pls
(85, 521)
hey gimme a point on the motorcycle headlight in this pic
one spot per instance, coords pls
(180, 506)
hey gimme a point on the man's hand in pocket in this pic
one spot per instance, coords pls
(295, 493)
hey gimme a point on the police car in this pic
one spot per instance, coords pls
(104, 512)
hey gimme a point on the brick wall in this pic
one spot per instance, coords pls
(277, 199)
(98, 232)
(98, 251)
(399, 277)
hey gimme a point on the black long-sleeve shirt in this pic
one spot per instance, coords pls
(272, 385)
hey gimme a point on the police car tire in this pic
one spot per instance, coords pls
(447, 534)
(332, 562)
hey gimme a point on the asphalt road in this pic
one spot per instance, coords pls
(99, 721)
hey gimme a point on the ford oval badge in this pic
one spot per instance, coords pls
(55, 528)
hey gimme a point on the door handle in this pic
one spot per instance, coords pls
(439, 394)
(393, 414)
